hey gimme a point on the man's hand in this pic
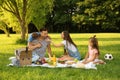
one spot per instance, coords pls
(34, 46)
(38, 45)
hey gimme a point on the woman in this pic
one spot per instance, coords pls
(70, 49)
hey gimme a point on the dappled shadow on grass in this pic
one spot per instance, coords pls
(87, 39)
(112, 48)
(99, 39)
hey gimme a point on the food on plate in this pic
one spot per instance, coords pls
(61, 61)
(70, 62)
(41, 61)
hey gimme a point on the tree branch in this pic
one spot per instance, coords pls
(24, 9)
(11, 6)
(8, 10)
(16, 9)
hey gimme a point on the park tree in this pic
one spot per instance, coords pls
(103, 13)
(8, 21)
(26, 11)
(61, 16)
(18, 8)
(3, 26)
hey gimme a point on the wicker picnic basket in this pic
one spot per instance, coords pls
(24, 55)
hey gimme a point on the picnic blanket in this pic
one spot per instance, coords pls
(58, 65)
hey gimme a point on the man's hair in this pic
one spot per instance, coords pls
(43, 29)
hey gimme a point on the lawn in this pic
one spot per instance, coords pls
(108, 42)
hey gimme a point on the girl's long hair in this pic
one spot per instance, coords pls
(68, 38)
(94, 41)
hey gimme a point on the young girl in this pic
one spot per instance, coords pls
(70, 49)
(93, 52)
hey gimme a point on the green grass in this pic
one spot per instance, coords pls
(108, 42)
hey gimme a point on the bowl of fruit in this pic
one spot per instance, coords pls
(41, 61)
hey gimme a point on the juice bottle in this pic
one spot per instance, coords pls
(54, 60)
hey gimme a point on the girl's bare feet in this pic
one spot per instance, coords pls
(60, 59)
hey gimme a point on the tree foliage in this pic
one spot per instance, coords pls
(38, 11)
(25, 11)
(10, 21)
(104, 13)
(61, 16)
(4, 27)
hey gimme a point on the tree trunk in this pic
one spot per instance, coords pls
(6, 30)
(23, 22)
(8, 34)
(23, 33)
(23, 30)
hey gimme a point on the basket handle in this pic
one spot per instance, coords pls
(26, 49)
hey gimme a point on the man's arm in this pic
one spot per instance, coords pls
(30, 44)
(33, 46)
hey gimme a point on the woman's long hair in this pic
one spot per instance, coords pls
(94, 41)
(68, 38)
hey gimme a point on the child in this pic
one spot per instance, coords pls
(93, 52)
(70, 49)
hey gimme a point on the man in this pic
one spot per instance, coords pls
(39, 49)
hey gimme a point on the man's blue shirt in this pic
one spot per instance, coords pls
(30, 38)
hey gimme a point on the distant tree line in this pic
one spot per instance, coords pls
(84, 16)
(76, 16)
(81, 16)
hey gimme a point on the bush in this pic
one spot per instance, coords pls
(20, 41)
